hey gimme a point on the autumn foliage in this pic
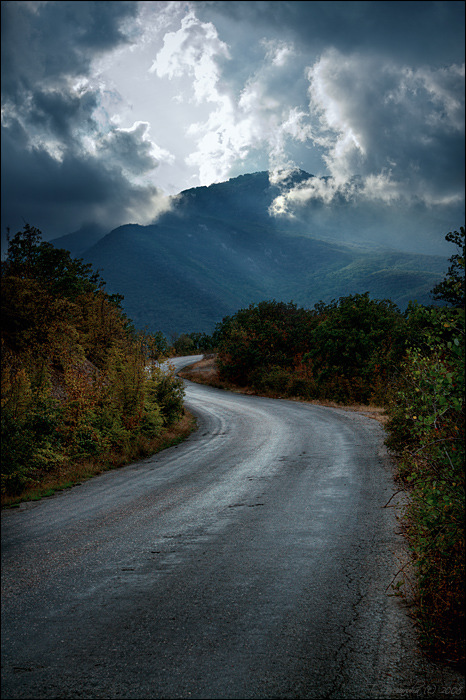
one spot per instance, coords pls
(345, 350)
(79, 383)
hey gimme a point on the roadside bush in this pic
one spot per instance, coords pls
(274, 380)
(355, 348)
(167, 392)
(426, 431)
(193, 343)
(346, 350)
(78, 383)
(264, 336)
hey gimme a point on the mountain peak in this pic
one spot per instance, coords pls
(260, 178)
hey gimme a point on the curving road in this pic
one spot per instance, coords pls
(251, 561)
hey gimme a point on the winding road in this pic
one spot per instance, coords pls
(250, 561)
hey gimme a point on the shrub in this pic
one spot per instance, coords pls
(426, 430)
(75, 380)
(355, 347)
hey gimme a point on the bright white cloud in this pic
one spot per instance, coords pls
(193, 50)
(261, 117)
(380, 127)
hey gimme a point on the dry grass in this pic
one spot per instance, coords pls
(205, 372)
(71, 475)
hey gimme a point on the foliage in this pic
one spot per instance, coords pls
(426, 430)
(345, 350)
(78, 381)
(354, 348)
(265, 335)
(451, 289)
(192, 343)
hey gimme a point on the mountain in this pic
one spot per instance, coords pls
(218, 250)
(79, 241)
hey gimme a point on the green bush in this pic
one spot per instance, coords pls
(263, 336)
(426, 430)
(64, 337)
(275, 380)
(167, 392)
(346, 350)
(355, 347)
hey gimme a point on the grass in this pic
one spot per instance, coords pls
(73, 475)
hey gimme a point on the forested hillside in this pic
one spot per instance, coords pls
(218, 249)
(82, 389)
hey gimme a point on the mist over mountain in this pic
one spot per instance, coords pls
(219, 249)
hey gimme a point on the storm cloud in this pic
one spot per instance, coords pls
(63, 161)
(109, 107)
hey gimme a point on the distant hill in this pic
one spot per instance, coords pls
(79, 241)
(219, 250)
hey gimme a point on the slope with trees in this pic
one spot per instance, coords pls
(218, 249)
(81, 388)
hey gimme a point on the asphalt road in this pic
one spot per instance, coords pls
(251, 561)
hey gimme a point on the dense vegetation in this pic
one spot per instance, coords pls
(426, 431)
(80, 386)
(192, 343)
(343, 350)
(358, 349)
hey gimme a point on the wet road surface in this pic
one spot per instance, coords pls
(251, 561)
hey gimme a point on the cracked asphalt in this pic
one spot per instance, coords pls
(254, 560)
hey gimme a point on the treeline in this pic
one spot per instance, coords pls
(342, 351)
(361, 350)
(80, 386)
(192, 343)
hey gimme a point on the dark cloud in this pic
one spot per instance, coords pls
(60, 113)
(416, 32)
(57, 196)
(129, 149)
(49, 178)
(376, 118)
(46, 42)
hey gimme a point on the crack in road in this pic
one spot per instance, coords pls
(251, 561)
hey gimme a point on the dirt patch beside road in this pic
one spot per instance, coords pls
(205, 372)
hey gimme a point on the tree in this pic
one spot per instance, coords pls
(451, 289)
(357, 343)
(78, 381)
(28, 257)
(268, 334)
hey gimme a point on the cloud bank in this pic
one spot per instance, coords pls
(107, 107)
(387, 132)
(64, 161)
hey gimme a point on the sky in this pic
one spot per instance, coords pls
(108, 108)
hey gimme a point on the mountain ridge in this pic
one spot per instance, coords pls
(218, 249)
